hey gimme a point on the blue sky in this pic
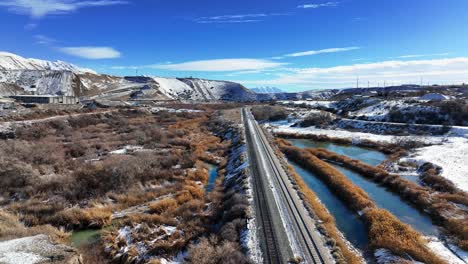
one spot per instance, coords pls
(294, 45)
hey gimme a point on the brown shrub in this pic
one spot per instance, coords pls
(11, 228)
(269, 113)
(318, 119)
(94, 253)
(386, 231)
(212, 251)
(76, 218)
(165, 205)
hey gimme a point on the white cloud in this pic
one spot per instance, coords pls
(93, 53)
(315, 6)
(219, 65)
(451, 70)
(44, 40)
(315, 52)
(421, 55)
(41, 8)
(240, 18)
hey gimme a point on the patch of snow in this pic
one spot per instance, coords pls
(451, 156)
(20, 257)
(385, 256)
(434, 97)
(462, 254)
(126, 149)
(381, 109)
(172, 110)
(10, 61)
(30, 250)
(311, 103)
(443, 252)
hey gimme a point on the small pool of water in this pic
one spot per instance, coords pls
(347, 221)
(212, 175)
(369, 156)
(84, 237)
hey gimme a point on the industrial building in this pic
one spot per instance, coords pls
(46, 99)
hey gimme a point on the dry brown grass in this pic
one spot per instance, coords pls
(386, 231)
(165, 205)
(11, 228)
(76, 218)
(212, 251)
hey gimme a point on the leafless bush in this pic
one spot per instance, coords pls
(269, 113)
(407, 143)
(318, 119)
(211, 251)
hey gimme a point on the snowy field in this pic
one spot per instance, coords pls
(448, 152)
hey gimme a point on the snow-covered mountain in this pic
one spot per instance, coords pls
(267, 90)
(201, 89)
(10, 61)
(25, 76)
(39, 81)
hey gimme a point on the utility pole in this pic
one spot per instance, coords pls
(368, 84)
(357, 82)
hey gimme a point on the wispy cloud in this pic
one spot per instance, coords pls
(218, 65)
(239, 18)
(93, 53)
(42, 8)
(453, 70)
(44, 40)
(315, 6)
(316, 52)
(421, 55)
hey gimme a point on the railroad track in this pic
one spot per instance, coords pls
(271, 248)
(304, 234)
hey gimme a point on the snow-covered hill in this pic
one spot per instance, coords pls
(40, 81)
(10, 61)
(267, 90)
(25, 76)
(200, 89)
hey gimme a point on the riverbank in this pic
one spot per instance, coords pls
(385, 230)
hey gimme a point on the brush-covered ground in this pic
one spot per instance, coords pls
(137, 175)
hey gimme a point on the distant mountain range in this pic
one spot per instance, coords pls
(267, 90)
